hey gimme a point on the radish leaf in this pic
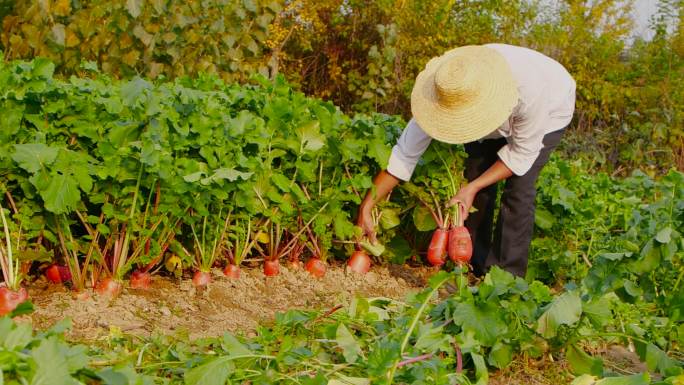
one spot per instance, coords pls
(346, 341)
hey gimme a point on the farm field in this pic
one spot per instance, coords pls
(115, 188)
(183, 187)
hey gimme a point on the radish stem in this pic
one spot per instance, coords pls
(412, 360)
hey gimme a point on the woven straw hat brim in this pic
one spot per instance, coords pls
(493, 96)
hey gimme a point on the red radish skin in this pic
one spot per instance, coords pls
(201, 278)
(438, 245)
(64, 273)
(460, 245)
(359, 262)
(141, 280)
(271, 267)
(53, 275)
(294, 264)
(316, 267)
(10, 299)
(109, 287)
(232, 271)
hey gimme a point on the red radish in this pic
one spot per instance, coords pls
(109, 287)
(316, 267)
(460, 245)
(53, 275)
(141, 280)
(10, 299)
(438, 245)
(64, 273)
(201, 278)
(294, 264)
(271, 267)
(232, 271)
(359, 262)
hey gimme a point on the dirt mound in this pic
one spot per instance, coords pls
(237, 306)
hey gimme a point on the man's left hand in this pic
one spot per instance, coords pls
(465, 197)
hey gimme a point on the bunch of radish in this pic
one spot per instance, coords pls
(452, 239)
(282, 243)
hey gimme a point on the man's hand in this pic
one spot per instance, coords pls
(365, 222)
(383, 183)
(465, 197)
(498, 171)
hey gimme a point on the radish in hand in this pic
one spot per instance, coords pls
(460, 244)
(437, 249)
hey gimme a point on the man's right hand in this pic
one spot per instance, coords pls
(365, 222)
(383, 183)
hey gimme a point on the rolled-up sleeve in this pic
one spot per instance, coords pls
(525, 140)
(407, 152)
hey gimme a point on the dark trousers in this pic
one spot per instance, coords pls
(507, 246)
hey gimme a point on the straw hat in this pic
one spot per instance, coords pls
(464, 95)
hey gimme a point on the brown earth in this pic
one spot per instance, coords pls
(237, 306)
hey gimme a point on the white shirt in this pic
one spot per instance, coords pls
(546, 104)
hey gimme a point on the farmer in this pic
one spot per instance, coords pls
(509, 106)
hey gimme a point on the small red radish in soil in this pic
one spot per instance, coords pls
(201, 278)
(232, 271)
(271, 267)
(109, 287)
(53, 275)
(359, 262)
(294, 264)
(141, 280)
(438, 245)
(64, 273)
(10, 299)
(316, 267)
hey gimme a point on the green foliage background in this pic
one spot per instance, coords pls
(364, 55)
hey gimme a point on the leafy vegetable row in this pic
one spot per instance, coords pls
(106, 176)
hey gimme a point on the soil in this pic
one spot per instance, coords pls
(226, 305)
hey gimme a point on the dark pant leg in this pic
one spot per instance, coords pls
(515, 225)
(481, 156)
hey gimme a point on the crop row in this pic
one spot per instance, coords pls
(102, 177)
